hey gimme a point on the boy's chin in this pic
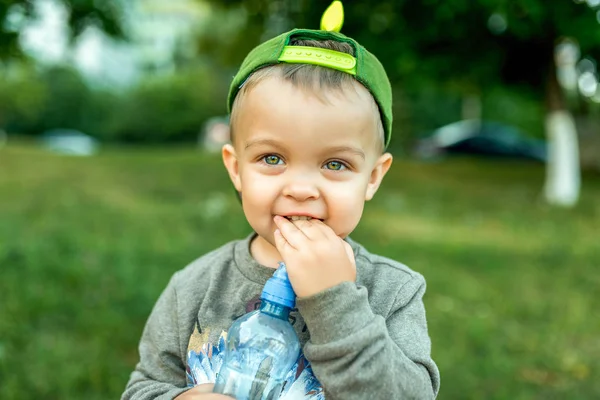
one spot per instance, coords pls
(264, 251)
(265, 240)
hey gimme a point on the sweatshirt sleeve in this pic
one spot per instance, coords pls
(357, 354)
(160, 373)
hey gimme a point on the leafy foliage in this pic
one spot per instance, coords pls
(436, 53)
(448, 40)
(82, 13)
(158, 109)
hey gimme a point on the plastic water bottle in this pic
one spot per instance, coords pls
(262, 345)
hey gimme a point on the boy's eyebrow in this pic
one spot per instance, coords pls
(269, 142)
(337, 149)
(341, 149)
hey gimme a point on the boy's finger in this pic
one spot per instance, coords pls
(320, 228)
(328, 231)
(203, 391)
(215, 396)
(203, 388)
(312, 229)
(280, 242)
(291, 233)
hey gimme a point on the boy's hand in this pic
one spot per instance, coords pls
(202, 392)
(315, 257)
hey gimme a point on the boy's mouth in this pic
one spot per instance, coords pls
(300, 218)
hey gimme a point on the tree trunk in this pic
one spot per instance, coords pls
(563, 176)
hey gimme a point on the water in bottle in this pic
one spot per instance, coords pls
(262, 346)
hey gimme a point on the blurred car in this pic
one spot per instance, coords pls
(69, 141)
(487, 138)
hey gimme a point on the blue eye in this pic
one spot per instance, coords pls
(335, 165)
(272, 159)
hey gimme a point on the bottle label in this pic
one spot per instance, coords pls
(204, 366)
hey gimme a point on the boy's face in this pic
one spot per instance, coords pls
(295, 155)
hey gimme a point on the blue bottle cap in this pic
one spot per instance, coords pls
(278, 288)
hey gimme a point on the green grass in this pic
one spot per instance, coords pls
(87, 245)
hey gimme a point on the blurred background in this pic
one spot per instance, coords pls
(111, 117)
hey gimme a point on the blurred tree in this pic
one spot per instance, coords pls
(15, 14)
(160, 109)
(32, 101)
(466, 46)
(22, 98)
(67, 98)
(472, 43)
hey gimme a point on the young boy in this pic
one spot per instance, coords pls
(310, 118)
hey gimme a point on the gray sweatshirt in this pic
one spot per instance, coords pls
(363, 340)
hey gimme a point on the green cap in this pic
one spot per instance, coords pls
(365, 67)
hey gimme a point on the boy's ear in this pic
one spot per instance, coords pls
(231, 164)
(382, 166)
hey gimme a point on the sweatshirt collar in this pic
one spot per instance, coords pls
(247, 265)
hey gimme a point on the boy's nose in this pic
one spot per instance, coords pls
(301, 190)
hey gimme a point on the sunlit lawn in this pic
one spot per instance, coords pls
(87, 245)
